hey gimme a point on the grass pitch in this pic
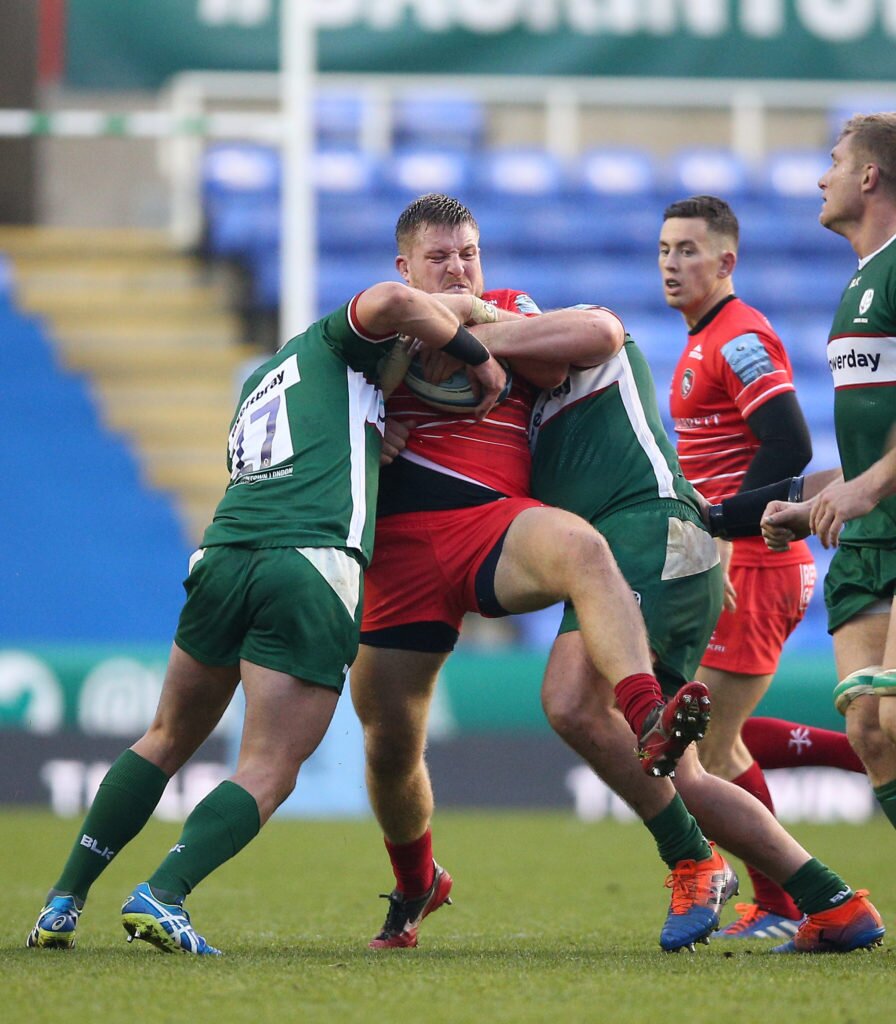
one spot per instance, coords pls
(554, 920)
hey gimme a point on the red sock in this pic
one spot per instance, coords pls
(412, 864)
(636, 696)
(775, 743)
(767, 894)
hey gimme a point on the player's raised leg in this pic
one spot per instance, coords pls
(550, 555)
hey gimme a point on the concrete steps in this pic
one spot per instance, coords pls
(151, 329)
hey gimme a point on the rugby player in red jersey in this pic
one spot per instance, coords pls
(457, 531)
(739, 427)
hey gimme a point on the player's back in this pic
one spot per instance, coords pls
(598, 441)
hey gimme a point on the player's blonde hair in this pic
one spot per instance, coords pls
(874, 141)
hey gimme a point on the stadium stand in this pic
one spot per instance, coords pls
(441, 120)
(81, 511)
(707, 170)
(568, 231)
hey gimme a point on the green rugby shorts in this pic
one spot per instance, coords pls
(288, 609)
(672, 565)
(857, 578)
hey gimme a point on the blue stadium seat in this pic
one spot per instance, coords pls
(344, 171)
(706, 170)
(263, 264)
(438, 120)
(338, 279)
(824, 447)
(815, 390)
(83, 523)
(524, 171)
(805, 337)
(620, 172)
(233, 227)
(793, 173)
(779, 286)
(411, 172)
(622, 285)
(240, 191)
(338, 117)
(347, 224)
(567, 225)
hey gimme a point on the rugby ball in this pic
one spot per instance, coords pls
(455, 394)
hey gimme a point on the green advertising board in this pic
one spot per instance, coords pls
(132, 44)
(112, 691)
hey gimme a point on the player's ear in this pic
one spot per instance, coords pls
(870, 177)
(401, 265)
(727, 263)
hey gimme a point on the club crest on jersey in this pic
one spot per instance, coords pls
(687, 382)
(865, 301)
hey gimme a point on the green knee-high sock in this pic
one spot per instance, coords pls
(217, 829)
(814, 887)
(886, 797)
(677, 834)
(126, 798)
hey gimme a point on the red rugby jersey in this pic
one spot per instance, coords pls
(732, 365)
(493, 452)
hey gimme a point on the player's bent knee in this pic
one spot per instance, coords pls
(856, 684)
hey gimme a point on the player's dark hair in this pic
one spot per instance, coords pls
(719, 216)
(431, 209)
(874, 141)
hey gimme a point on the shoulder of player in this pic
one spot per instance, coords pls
(511, 299)
(742, 320)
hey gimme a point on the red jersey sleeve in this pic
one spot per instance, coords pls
(752, 367)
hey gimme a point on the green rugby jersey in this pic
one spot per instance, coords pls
(862, 357)
(598, 443)
(304, 445)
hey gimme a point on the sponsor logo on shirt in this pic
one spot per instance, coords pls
(690, 422)
(696, 352)
(525, 304)
(861, 361)
(864, 305)
(748, 358)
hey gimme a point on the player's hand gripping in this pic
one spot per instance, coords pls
(785, 521)
(491, 378)
(395, 439)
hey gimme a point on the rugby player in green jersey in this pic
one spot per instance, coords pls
(599, 450)
(273, 600)
(859, 202)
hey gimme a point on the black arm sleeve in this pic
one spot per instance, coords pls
(785, 447)
(739, 515)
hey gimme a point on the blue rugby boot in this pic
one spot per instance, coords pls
(164, 925)
(855, 924)
(56, 924)
(755, 922)
(700, 888)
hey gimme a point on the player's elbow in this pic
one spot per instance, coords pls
(605, 334)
